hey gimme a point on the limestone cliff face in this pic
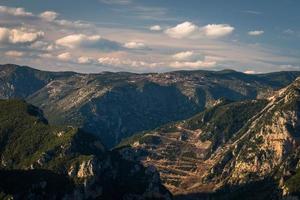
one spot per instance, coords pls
(231, 145)
(107, 179)
(266, 147)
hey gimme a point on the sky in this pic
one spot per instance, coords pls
(91, 36)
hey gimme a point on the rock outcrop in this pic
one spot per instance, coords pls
(41, 161)
(250, 146)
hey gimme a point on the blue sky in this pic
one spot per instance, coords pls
(254, 36)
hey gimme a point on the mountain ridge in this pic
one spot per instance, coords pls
(152, 99)
(42, 161)
(264, 147)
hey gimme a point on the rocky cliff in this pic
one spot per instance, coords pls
(41, 161)
(231, 149)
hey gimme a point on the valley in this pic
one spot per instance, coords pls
(201, 134)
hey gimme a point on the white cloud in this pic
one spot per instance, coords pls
(14, 53)
(4, 34)
(72, 24)
(193, 65)
(134, 45)
(253, 12)
(118, 2)
(119, 62)
(155, 28)
(20, 12)
(217, 30)
(249, 72)
(109, 61)
(76, 40)
(21, 35)
(44, 46)
(65, 56)
(190, 30)
(182, 30)
(49, 15)
(46, 55)
(24, 36)
(289, 31)
(185, 55)
(84, 60)
(256, 33)
(39, 45)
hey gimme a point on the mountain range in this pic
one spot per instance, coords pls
(198, 134)
(115, 106)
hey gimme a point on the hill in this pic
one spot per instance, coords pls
(42, 161)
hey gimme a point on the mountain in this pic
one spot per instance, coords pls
(233, 150)
(115, 106)
(42, 161)
(20, 81)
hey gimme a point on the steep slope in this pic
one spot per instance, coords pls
(111, 107)
(233, 149)
(117, 105)
(179, 150)
(40, 161)
(267, 147)
(20, 82)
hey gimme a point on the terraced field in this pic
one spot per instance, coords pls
(179, 156)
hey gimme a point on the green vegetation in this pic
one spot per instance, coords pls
(293, 183)
(221, 122)
(25, 137)
(37, 159)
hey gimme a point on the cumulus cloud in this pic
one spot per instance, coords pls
(19, 36)
(193, 65)
(155, 28)
(49, 15)
(20, 12)
(84, 60)
(182, 30)
(76, 40)
(39, 45)
(112, 61)
(109, 61)
(14, 53)
(24, 36)
(87, 41)
(72, 24)
(44, 46)
(190, 60)
(185, 55)
(217, 30)
(189, 30)
(134, 45)
(256, 33)
(46, 55)
(65, 56)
